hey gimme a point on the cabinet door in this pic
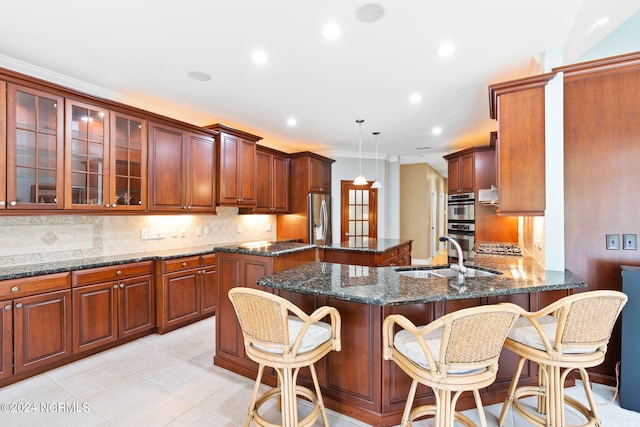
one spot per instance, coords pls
(181, 299)
(280, 184)
(230, 192)
(247, 174)
(87, 157)
(6, 339)
(35, 156)
(452, 170)
(136, 306)
(3, 143)
(166, 163)
(42, 330)
(201, 194)
(521, 152)
(95, 316)
(466, 173)
(209, 289)
(265, 186)
(319, 176)
(128, 165)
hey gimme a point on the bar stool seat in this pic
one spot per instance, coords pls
(569, 334)
(280, 335)
(457, 352)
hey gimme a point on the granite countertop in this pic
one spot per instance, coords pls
(61, 266)
(385, 286)
(366, 245)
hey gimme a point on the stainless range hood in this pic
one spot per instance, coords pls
(488, 197)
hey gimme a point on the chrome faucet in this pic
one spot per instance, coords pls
(460, 268)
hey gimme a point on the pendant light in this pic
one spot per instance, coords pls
(376, 183)
(360, 180)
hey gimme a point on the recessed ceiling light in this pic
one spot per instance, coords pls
(199, 76)
(423, 148)
(415, 98)
(291, 121)
(331, 31)
(259, 57)
(446, 49)
(369, 13)
(436, 130)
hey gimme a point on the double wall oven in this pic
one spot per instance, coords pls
(461, 217)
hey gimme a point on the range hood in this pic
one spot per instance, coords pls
(488, 197)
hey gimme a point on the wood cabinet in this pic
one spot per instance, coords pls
(397, 255)
(112, 303)
(519, 107)
(272, 189)
(310, 173)
(461, 173)
(36, 322)
(105, 157)
(187, 291)
(236, 168)
(181, 170)
(236, 270)
(34, 152)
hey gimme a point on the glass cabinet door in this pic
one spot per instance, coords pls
(34, 149)
(87, 138)
(128, 162)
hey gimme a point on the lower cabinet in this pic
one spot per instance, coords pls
(187, 292)
(394, 256)
(35, 322)
(112, 303)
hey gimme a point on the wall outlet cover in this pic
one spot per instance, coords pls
(630, 242)
(613, 241)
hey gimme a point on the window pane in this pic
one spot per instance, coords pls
(359, 197)
(47, 115)
(25, 148)
(26, 111)
(352, 197)
(365, 197)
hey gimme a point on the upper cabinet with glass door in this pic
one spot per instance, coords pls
(34, 149)
(105, 154)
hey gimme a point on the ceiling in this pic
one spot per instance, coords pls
(141, 52)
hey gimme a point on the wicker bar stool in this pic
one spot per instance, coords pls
(280, 335)
(571, 333)
(457, 352)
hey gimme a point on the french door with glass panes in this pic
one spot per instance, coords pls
(358, 212)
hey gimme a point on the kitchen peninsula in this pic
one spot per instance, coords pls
(374, 390)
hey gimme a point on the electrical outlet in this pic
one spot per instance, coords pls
(206, 229)
(238, 229)
(157, 233)
(144, 234)
(630, 242)
(198, 231)
(613, 241)
(268, 227)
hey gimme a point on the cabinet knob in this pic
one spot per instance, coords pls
(121, 285)
(12, 203)
(7, 307)
(107, 205)
(119, 272)
(19, 305)
(188, 207)
(184, 264)
(2, 203)
(115, 286)
(14, 289)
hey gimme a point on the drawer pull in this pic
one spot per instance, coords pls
(121, 285)
(7, 307)
(115, 286)
(14, 289)
(119, 272)
(19, 305)
(184, 264)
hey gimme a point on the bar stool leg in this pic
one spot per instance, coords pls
(406, 420)
(512, 389)
(319, 401)
(254, 397)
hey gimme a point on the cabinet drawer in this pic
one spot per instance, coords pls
(404, 248)
(180, 264)
(33, 285)
(391, 253)
(208, 259)
(115, 272)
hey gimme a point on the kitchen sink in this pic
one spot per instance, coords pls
(446, 272)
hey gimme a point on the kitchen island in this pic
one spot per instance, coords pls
(357, 381)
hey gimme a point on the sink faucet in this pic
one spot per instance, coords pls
(460, 268)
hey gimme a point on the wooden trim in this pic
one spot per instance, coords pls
(602, 64)
(498, 89)
(219, 128)
(312, 155)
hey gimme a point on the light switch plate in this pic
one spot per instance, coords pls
(613, 241)
(630, 242)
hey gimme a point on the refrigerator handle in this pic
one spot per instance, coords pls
(325, 220)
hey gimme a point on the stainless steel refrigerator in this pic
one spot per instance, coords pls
(319, 206)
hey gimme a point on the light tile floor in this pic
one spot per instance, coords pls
(170, 380)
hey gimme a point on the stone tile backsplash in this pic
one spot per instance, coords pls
(35, 239)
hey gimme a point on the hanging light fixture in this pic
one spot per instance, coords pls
(360, 180)
(376, 183)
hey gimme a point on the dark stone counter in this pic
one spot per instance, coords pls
(385, 286)
(61, 266)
